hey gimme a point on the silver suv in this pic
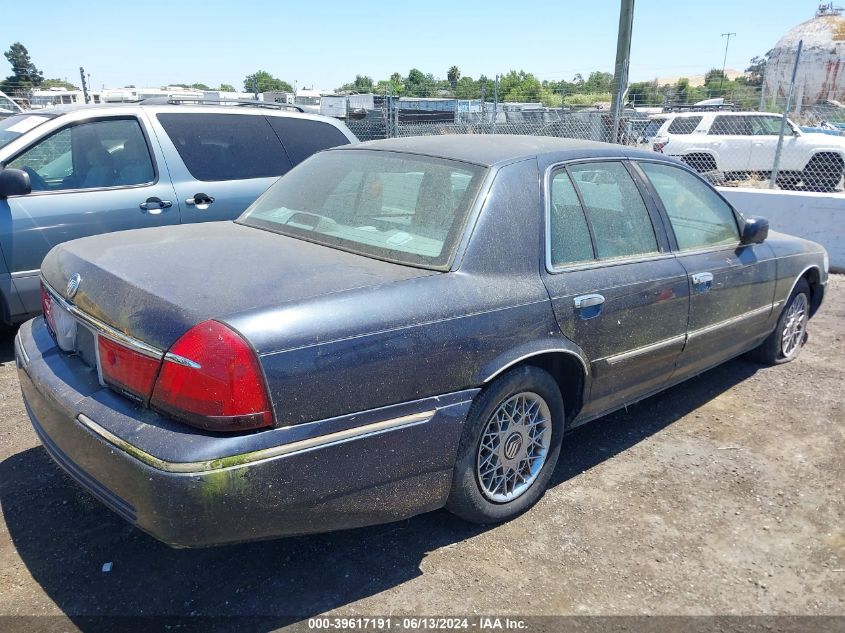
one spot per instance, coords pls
(738, 144)
(74, 171)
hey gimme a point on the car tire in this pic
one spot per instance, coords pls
(785, 342)
(496, 478)
(823, 172)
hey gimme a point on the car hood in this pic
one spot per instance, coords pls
(155, 284)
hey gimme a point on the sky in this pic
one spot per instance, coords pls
(325, 43)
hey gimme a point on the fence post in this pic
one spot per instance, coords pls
(495, 102)
(620, 74)
(776, 166)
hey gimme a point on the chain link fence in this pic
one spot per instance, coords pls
(729, 145)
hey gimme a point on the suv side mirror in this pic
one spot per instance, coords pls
(755, 230)
(14, 182)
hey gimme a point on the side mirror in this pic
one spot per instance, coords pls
(755, 230)
(14, 182)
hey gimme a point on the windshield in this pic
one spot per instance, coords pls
(12, 127)
(398, 207)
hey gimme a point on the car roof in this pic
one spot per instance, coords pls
(496, 149)
(700, 113)
(268, 108)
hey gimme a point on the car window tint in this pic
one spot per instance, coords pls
(616, 211)
(304, 137)
(731, 125)
(569, 236)
(226, 146)
(699, 217)
(684, 124)
(89, 156)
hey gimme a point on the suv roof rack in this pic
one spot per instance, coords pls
(692, 107)
(249, 103)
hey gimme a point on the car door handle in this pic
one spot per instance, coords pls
(589, 306)
(155, 205)
(200, 200)
(702, 282)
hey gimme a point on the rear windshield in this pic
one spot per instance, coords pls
(397, 207)
(14, 126)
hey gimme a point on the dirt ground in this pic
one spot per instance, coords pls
(723, 495)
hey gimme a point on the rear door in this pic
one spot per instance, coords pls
(88, 177)
(616, 290)
(221, 162)
(731, 284)
(730, 137)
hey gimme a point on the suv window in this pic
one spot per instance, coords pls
(767, 125)
(684, 124)
(89, 156)
(699, 217)
(731, 125)
(569, 235)
(218, 147)
(304, 137)
(616, 213)
(652, 128)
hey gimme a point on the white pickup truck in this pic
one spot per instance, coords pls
(737, 144)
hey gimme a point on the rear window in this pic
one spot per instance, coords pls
(402, 208)
(218, 147)
(731, 126)
(653, 126)
(304, 137)
(684, 124)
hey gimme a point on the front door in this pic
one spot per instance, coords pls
(731, 284)
(87, 178)
(616, 290)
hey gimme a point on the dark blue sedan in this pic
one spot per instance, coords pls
(395, 327)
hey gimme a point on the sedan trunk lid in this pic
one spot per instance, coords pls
(155, 284)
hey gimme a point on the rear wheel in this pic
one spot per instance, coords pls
(785, 343)
(509, 448)
(823, 172)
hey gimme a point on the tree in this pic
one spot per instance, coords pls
(25, 76)
(757, 70)
(418, 84)
(226, 88)
(362, 83)
(58, 83)
(262, 81)
(453, 75)
(714, 75)
(598, 82)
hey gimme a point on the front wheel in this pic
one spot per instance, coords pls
(785, 343)
(509, 447)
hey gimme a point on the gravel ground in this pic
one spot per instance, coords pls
(723, 495)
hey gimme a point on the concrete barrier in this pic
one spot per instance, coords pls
(814, 216)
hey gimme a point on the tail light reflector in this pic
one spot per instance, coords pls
(127, 369)
(211, 378)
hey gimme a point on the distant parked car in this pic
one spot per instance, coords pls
(736, 144)
(75, 171)
(8, 106)
(393, 327)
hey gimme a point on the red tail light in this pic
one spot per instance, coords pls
(127, 369)
(659, 144)
(212, 380)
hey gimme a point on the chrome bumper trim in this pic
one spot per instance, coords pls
(234, 461)
(104, 329)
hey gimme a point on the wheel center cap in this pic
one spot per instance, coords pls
(512, 445)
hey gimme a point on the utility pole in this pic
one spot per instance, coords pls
(773, 179)
(84, 85)
(623, 60)
(725, 60)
